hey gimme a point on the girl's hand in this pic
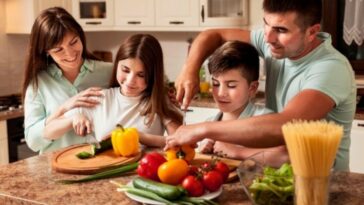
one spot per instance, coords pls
(206, 146)
(86, 98)
(81, 125)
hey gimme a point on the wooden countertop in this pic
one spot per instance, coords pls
(32, 181)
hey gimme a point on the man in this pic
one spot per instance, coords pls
(306, 79)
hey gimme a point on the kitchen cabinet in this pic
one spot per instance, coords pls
(177, 13)
(357, 147)
(226, 13)
(4, 152)
(134, 13)
(20, 14)
(94, 14)
(199, 114)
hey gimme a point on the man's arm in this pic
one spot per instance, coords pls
(187, 83)
(259, 131)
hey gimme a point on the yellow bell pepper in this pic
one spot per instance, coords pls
(125, 142)
(185, 152)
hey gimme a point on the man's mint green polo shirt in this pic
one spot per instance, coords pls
(323, 69)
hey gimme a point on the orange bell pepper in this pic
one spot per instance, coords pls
(185, 152)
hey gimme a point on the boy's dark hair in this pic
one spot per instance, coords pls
(309, 12)
(235, 55)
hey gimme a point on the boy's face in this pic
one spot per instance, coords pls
(231, 91)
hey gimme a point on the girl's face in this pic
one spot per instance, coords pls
(231, 91)
(68, 53)
(131, 77)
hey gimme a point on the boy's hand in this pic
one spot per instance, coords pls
(81, 125)
(227, 150)
(206, 146)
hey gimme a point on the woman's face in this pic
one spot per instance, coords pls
(68, 53)
(131, 77)
(231, 91)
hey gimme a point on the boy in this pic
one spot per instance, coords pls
(235, 71)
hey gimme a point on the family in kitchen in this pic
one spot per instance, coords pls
(69, 95)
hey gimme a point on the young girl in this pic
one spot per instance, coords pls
(139, 100)
(235, 70)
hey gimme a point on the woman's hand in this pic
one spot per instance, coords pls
(81, 125)
(86, 98)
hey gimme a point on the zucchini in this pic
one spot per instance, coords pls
(104, 145)
(166, 191)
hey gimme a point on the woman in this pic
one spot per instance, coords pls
(59, 76)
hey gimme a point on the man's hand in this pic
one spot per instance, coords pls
(187, 85)
(189, 134)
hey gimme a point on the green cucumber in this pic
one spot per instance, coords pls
(166, 191)
(104, 145)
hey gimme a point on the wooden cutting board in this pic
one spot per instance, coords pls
(65, 160)
(232, 164)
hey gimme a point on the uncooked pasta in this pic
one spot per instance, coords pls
(312, 147)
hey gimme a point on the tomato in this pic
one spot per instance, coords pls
(223, 169)
(148, 165)
(193, 186)
(193, 170)
(212, 180)
(173, 171)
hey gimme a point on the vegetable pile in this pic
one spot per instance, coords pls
(167, 194)
(274, 187)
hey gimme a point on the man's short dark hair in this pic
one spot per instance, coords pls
(235, 55)
(309, 12)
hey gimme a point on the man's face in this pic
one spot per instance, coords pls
(285, 38)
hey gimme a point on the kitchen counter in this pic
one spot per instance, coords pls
(6, 115)
(32, 181)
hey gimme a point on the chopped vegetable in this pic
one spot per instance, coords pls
(274, 187)
(104, 145)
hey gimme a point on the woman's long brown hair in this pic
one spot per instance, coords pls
(48, 30)
(154, 98)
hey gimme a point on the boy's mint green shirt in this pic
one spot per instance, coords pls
(250, 110)
(323, 69)
(53, 90)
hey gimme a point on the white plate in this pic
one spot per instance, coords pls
(143, 200)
